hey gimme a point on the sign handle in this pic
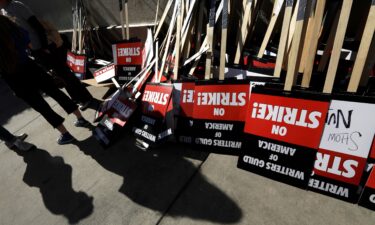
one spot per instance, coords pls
(224, 37)
(243, 32)
(363, 51)
(339, 41)
(210, 38)
(283, 38)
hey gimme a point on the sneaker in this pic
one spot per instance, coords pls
(84, 106)
(66, 138)
(23, 146)
(81, 123)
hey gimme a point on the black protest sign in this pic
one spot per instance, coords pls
(282, 136)
(154, 125)
(128, 58)
(344, 149)
(368, 196)
(219, 115)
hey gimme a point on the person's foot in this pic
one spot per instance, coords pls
(84, 106)
(22, 136)
(23, 145)
(81, 122)
(66, 138)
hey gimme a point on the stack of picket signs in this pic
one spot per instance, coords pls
(188, 88)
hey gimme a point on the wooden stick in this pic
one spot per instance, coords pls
(328, 48)
(165, 13)
(126, 11)
(198, 41)
(370, 64)
(339, 41)
(309, 20)
(210, 38)
(292, 26)
(275, 14)
(122, 19)
(80, 31)
(243, 31)
(363, 51)
(295, 49)
(224, 36)
(168, 42)
(283, 37)
(156, 15)
(178, 39)
(310, 61)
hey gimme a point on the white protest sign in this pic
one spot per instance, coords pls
(105, 73)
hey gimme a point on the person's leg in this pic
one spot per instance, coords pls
(12, 141)
(77, 91)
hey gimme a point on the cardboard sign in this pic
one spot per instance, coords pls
(290, 120)
(183, 100)
(344, 149)
(219, 115)
(105, 73)
(157, 108)
(77, 63)
(283, 135)
(368, 195)
(128, 58)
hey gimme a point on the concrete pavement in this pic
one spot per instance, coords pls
(83, 183)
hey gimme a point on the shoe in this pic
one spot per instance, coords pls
(81, 123)
(84, 106)
(66, 138)
(23, 146)
(21, 137)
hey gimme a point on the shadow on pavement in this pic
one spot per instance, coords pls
(155, 179)
(53, 177)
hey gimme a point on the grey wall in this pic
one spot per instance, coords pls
(103, 12)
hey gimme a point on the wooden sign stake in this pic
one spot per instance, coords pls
(243, 32)
(210, 38)
(275, 14)
(283, 37)
(224, 36)
(312, 48)
(339, 41)
(363, 50)
(295, 49)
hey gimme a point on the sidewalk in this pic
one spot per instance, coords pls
(86, 184)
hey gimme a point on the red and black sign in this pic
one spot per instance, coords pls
(183, 99)
(282, 136)
(128, 58)
(368, 195)
(339, 169)
(157, 108)
(77, 63)
(219, 115)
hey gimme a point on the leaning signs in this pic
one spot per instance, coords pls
(128, 58)
(344, 149)
(283, 136)
(219, 115)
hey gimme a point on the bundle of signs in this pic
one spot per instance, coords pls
(285, 85)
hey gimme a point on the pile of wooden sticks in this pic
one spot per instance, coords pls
(302, 39)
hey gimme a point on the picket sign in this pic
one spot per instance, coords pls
(157, 106)
(344, 150)
(219, 114)
(368, 195)
(77, 64)
(128, 58)
(283, 133)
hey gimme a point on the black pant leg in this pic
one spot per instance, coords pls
(5, 135)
